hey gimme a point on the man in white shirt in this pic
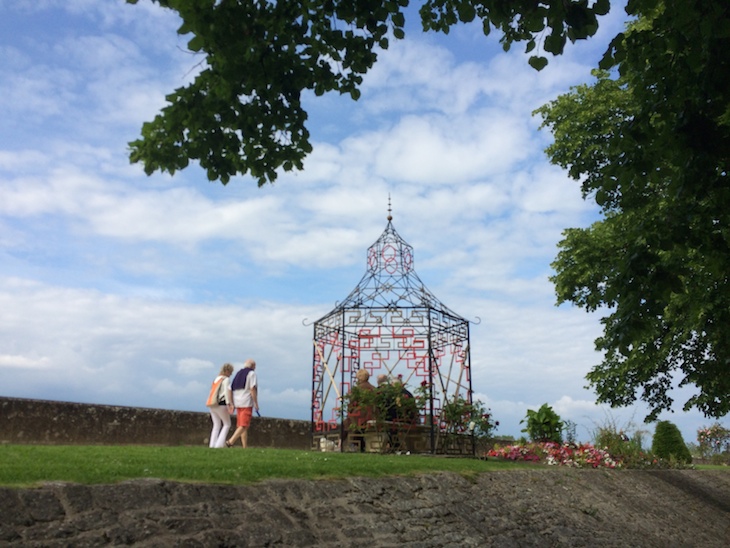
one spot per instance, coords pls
(245, 399)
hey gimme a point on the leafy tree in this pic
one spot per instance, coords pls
(652, 147)
(243, 112)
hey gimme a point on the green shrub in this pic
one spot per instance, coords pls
(543, 425)
(628, 451)
(668, 443)
(613, 441)
(462, 417)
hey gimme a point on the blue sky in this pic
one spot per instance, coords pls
(118, 288)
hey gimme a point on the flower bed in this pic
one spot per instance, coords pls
(555, 454)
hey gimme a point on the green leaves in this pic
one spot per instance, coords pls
(669, 444)
(601, 7)
(196, 43)
(538, 62)
(243, 114)
(520, 20)
(543, 425)
(652, 148)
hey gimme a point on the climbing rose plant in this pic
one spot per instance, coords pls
(713, 440)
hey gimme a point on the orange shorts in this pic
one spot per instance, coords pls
(243, 416)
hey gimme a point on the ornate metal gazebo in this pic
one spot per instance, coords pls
(389, 324)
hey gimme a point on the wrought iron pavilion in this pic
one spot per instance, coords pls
(390, 324)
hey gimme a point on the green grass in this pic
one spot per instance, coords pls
(30, 465)
(722, 467)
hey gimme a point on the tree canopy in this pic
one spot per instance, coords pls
(652, 147)
(243, 112)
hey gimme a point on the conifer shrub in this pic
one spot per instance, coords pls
(668, 443)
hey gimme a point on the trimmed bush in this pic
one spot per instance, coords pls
(668, 443)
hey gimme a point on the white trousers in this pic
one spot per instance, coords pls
(221, 424)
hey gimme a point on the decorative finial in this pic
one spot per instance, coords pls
(390, 217)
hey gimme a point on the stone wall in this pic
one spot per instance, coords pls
(26, 421)
(537, 506)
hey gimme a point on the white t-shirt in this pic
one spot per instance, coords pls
(243, 397)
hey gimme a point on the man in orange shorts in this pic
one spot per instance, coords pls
(245, 398)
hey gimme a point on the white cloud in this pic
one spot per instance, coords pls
(21, 160)
(34, 94)
(191, 366)
(120, 348)
(23, 362)
(441, 149)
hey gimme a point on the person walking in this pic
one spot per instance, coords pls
(220, 404)
(245, 399)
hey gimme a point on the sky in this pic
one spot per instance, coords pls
(122, 289)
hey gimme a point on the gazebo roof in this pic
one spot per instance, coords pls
(391, 281)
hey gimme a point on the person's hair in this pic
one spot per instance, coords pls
(249, 363)
(382, 379)
(363, 374)
(227, 369)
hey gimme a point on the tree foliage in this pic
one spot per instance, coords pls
(668, 443)
(243, 112)
(652, 147)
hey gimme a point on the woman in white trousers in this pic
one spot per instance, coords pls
(220, 403)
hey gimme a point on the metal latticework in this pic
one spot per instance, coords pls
(390, 324)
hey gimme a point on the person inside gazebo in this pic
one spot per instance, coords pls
(360, 409)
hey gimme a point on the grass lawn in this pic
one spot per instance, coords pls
(29, 465)
(722, 467)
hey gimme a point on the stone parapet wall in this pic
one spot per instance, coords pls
(26, 421)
